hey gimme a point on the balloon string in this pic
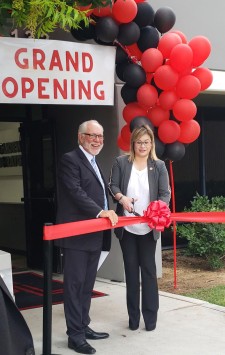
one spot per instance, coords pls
(126, 50)
(174, 227)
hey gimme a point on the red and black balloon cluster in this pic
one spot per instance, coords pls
(161, 70)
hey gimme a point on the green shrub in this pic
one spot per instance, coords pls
(205, 239)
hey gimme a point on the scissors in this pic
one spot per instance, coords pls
(133, 210)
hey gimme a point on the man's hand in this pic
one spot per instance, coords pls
(111, 215)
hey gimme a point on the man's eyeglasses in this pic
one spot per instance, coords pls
(145, 143)
(93, 136)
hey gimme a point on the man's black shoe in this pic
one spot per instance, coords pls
(150, 327)
(91, 334)
(81, 347)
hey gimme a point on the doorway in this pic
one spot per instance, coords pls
(37, 144)
(12, 222)
(28, 190)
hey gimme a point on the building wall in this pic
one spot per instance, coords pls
(200, 17)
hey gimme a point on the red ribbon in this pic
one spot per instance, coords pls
(88, 226)
(157, 216)
(199, 217)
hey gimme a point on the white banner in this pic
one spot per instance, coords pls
(36, 71)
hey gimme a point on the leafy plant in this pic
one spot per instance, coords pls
(205, 239)
(41, 17)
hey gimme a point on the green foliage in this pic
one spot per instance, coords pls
(205, 239)
(41, 17)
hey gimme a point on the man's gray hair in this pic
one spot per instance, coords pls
(83, 126)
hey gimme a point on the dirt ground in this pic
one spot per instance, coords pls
(191, 274)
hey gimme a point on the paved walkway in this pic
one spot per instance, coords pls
(185, 326)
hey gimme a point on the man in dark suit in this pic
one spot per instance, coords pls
(82, 195)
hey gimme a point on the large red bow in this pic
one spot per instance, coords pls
(159, 215)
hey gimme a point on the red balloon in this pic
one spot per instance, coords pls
(189, 131)
(132, 110)
(181, 57)
(188, 87)
(103, 11)
(125, 134)
(169, 131)
(184, 110)
(85, 8)
(134, 51)
(186, 71)
(149, 77)
(147, 95)
(123, 145)
(182, 36)
(167, 99)
(157, 115)
(205, 77)
(167, 42)
(151, 59)
(166, 77)
(124, 11)
(201, 49)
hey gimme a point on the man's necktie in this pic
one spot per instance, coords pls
(96, 169)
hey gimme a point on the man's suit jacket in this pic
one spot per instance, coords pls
(80, 197)
(157, 178)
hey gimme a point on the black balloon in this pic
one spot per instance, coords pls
(106, 29)
(128, 94)
(129, 33)
(174, 151)
(145, 15)
(140, 121)
(83, 33)
(134, 75)
(103, 43)
(164, 19)
(120, 68)
(159, 147)
(77, 34)
(149, 38)
(121, 55)
(84, 2)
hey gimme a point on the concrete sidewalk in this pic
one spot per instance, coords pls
(185, 326)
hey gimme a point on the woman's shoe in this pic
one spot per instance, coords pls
(133, 326)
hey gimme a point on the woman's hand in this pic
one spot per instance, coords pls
(128, 203)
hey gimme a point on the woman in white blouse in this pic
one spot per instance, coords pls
(136, 180)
